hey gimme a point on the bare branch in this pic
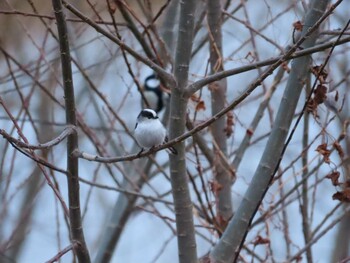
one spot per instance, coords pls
(218, 89)
(61, 253)
(289, 55)
(161, 72)
(74, 20)
(76, 228)
(232, 105)
(229, 246)
(41, 146)
(177, 124)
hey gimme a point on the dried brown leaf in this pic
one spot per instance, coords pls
(321, 75)
(320, 94)
(346, 184)
(200, 106)
(322, 149)
(311, 107)
(259, 240)
(342, 196)
(334, 176)
(339, 149)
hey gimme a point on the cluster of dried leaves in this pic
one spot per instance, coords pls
(343, 195)
(320, 93)
(318, 97)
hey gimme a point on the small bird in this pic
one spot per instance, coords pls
(149, 131)
(153, 93)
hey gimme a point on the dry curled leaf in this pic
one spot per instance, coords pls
(311, 107)
(298, 25)
(320, 94)
(321, 75)
(322, 149)
(334, 176)
(339, 149)
(346, 184)
(259, 240)
(200, 106)
(342, 196)
(229, 124)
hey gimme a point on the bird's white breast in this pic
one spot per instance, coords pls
(150, 133)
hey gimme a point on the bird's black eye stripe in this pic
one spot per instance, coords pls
(148, 115)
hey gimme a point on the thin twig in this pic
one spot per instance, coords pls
(168, 78)
(41, 146)
(61, 253)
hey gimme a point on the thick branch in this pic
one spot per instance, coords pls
(124, 206)
(178, 105)
(218, 91)
(76, 228)
(289, 55)
(228, 248)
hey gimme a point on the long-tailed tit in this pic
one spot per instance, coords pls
(153, 93)
(149, 131)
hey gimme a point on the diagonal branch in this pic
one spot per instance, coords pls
(123, 8)
(229, 246)
(290, 54)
